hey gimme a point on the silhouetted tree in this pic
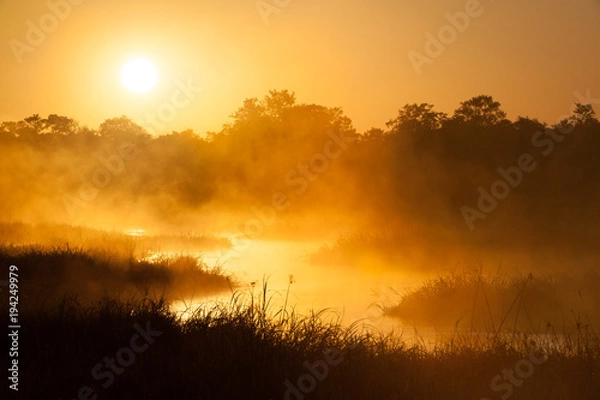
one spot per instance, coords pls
(583, 115)
(277, 102)
(34, 121)
(252, 109)
(480, 111)
(373, 135)
(59, 125)
(528, 125)
(423, 163)
(414, 118)
(8, 130)
(27, 129)
(122, 129)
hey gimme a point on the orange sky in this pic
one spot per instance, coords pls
(530, 55)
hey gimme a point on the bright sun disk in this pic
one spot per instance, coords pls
(139, 75)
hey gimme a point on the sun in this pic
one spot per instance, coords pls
(139, 75)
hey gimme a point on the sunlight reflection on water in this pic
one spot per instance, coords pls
(349, 294)
(135, 232)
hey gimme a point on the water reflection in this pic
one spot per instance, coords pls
(354, 294)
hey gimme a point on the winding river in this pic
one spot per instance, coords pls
(349, 293)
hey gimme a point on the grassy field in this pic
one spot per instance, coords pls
(244, 350)
(120, 339)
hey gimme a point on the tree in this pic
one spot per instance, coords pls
(373, 135)
(28, 129)
(480, 111)
(414, 118)
(121, 128)
(526, 124)
(35, 122)
(251, 109)
(583, 115)
(8, 130)
(276, 102)
(59, 125)
(272, 107)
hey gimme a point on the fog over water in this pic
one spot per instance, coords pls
(314, 286)
(420, 219)
(266, 199)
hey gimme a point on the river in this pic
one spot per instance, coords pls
(345, 291)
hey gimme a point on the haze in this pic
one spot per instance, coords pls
(222, 197)
(531, 57)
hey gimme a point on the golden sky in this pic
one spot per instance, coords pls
(530, 55)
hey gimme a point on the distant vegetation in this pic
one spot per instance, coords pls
(49, 274)
(472, 301)
(422, 169)
(134, 244)
(531, 191)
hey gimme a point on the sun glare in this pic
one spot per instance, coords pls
(135, 232)
(139, 75)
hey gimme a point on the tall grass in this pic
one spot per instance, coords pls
(45, 274)
(243, 349)
(249, 348)
(104, 242)
(471, 300)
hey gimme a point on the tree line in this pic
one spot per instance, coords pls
(424, 164)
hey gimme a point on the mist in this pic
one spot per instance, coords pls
(427, 193)
(435, 223)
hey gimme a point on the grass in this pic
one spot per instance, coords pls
(45, 275)
(100, 241)
(243, 349)
(471, 300)
(80, 308)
